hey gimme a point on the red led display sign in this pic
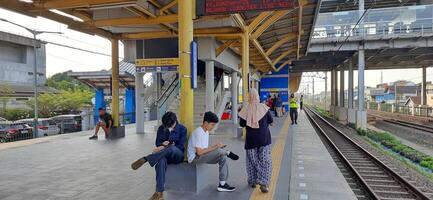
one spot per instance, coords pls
(236, 6)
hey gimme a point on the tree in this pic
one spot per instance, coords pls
(6, 92)
(61, 81)
(65, 101)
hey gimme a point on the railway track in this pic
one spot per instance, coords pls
(411, 125)
(373, 178)
(416, 126)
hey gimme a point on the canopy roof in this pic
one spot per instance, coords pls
(275, 36)
(102, 79)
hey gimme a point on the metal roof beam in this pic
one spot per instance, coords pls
(266, 24)
(223, 47)
(283, 55)
(280, 42)
(258, 20)
(167, 6)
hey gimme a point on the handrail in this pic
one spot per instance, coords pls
(172, 89)
(218, 91)
(175, 80)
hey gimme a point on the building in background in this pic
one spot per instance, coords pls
(429, 89)
(17, 68)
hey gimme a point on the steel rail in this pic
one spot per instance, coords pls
(403, 183)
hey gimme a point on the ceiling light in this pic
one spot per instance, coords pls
(66, 15)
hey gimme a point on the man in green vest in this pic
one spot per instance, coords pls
(293, 109)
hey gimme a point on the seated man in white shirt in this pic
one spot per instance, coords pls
(200, 152)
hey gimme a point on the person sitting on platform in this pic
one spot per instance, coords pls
(199, 151)
(170, 147)
(105, 122)
(256, 117)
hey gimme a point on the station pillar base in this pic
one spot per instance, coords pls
(342, 114)
(361, 120)
(117, 132)
(351, 117)
(185, 177)
(332, 110)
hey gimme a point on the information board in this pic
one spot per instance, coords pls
(214, 7)
(157, 65)
(194, 65)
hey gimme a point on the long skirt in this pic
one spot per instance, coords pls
(259, 165)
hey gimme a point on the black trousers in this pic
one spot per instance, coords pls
(294, 114)
(301, 105)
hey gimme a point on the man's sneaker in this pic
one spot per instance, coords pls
(157, 196)
(233, 156)
(225, 188)
(138, 163)
(94, 137)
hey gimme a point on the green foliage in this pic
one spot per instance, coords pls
(5, 92)
(15, 114)
(61, 81)
(64, 101)
(395, 145)
(322, 112)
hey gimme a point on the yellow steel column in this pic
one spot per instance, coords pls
(245, 66)
(186, 108)
(245, 69)
(115, 81)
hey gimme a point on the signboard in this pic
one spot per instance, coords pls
(156, 65)
(193, 65)
(214, 7)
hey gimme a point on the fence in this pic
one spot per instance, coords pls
(376, 22)
(419, 110)
(14, 131)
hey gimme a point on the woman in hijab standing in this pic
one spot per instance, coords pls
(256, 117)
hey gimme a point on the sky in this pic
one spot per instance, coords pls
(60, 59)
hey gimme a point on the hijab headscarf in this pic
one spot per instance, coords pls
(254, 111)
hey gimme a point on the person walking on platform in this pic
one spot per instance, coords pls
(301, 102)
(199, 151)
(293, 109)
(256, 117)
(274, 102)
(279, 106)
(170, 146)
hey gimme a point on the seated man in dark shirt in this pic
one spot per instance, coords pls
(170, 146)
(105, 122)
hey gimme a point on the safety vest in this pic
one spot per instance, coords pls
(293, 103)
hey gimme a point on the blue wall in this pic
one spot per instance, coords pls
(99, 103)
(385, 97)
(275, 83)
(129, 105)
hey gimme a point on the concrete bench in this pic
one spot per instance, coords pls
(186, 177)
(117, 132)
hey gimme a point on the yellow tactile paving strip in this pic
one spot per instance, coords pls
(277, 157)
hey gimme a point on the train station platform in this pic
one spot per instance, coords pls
(72, 167)
(314, 174)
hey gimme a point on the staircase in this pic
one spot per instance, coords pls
(199, 103)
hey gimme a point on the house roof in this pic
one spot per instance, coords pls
(416, 100)
(404, 89)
